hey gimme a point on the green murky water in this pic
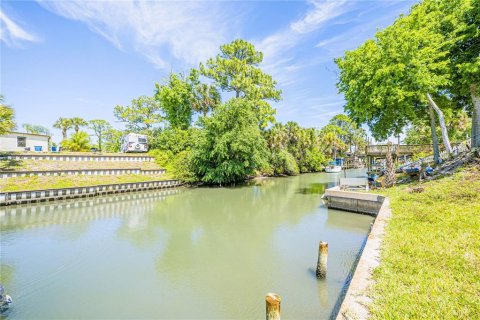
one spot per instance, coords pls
(187, 253)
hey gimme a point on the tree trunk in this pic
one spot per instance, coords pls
(475, 116)
(441, 120)
(436, 151)
(390, 178)
(64, 134)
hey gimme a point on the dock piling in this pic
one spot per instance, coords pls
(273, 306)
(322, 260)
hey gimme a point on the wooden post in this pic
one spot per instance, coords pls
(273, 306)
(322, 260)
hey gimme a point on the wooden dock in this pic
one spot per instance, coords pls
(379, 151)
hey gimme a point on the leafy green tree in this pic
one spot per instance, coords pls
(182, 166)
(314, 160)
(174, 139)
(7, 115)
(36, 129)
(100, 128)
(418, 133)
(141, 115)
(63, 124)
(231, 147)
(236, 69)
(175, 98)
(462, 25)
(78, 142)
(351, 134)
(389, 81)
(458, 125)
(112, 140)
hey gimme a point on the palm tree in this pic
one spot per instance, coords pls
(206, 98)
(277, 137)
(330, 138)
(77, 123)
(63, 124)
(79, 141)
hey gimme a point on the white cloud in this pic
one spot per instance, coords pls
(314, 19)
(279, 48)
(352, 38)
(323, 11)
(11, 33)
(188, 31)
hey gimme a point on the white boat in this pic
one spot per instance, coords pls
(333, 168)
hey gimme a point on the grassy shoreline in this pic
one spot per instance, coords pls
(45, 165)
(56, 182)
(430, 260)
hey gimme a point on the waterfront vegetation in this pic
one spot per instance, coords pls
(54, 182)
(425, 64)
(215, 125)
(430, 260)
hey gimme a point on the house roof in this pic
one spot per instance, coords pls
(28, 134)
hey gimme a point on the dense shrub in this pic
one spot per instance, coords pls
(313, 161)
(182, 167)
(231, 147)
(283, 163)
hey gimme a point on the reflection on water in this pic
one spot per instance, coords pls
(185, 253)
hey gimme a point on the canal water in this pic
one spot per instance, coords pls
(204, 253)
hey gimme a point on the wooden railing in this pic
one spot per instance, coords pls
(382, 149)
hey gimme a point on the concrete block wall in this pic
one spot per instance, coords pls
(366, 203)
(19, 197)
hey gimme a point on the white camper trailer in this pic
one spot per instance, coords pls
(134, 142)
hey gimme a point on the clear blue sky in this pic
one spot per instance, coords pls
(81, 58)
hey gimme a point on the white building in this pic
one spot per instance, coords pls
(19, 141)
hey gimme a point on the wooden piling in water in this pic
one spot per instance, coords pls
(322, 260)
(273, 306)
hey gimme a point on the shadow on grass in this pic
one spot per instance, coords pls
(10, 164)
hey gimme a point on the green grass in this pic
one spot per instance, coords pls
(32, 165)
(53, 182)
(430, 260)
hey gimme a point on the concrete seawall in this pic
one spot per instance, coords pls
(20, 197)
(355, 304)
(360, 202)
